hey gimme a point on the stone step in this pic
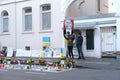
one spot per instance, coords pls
(109, 56)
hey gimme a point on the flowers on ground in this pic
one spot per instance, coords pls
(62, 57)
(13, 61)
(56, 63)
(70, 63)
(8, 59)
(42, 61)
(30, 61)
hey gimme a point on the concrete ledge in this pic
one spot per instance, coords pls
(109, 56)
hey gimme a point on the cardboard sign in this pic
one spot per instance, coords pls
(36, 53)
(9, 52)
(19, 53)
(75, 52)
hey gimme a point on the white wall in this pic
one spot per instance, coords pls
(96, 52)
(8, 39)
(117, 4)
(34, 38)
(97, 43)
(118, 34)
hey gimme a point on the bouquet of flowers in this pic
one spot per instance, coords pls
(62, 57)
(56, 63)
(8, 59)
(42, 61)
(30, 62)
(70, 63)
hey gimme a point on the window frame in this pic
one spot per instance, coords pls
(43, 12)
(5, 17)
(24, 21)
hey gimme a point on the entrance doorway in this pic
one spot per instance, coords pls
(108, 36)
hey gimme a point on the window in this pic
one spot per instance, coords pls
(5, 21)
(46, 17)
(28, 19)
(27, 48)
(4, 49)
(90, 39)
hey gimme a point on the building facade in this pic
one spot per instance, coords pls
(33, 24)
(24, 23)
(97, 22)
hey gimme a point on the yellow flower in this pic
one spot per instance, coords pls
(62, 57)
(30, 61)
(8, 59)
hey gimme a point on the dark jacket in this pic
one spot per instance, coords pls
(79, 41)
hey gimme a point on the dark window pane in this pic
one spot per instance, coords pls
(47, 7)
(99, 5)
(28, 10)
(90, 39)
(27, 48)
(5, 14)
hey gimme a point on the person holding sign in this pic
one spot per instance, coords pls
(70, 41)
(68, 27)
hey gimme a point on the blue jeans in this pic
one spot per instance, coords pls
(80, 52)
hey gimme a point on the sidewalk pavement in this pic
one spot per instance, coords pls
(99, 63)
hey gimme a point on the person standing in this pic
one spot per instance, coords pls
(70, 38)
(79, 42)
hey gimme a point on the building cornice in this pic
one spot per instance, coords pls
(6, 2)
(98, 16)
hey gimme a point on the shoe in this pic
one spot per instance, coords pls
(79, 58)
(83, 58)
